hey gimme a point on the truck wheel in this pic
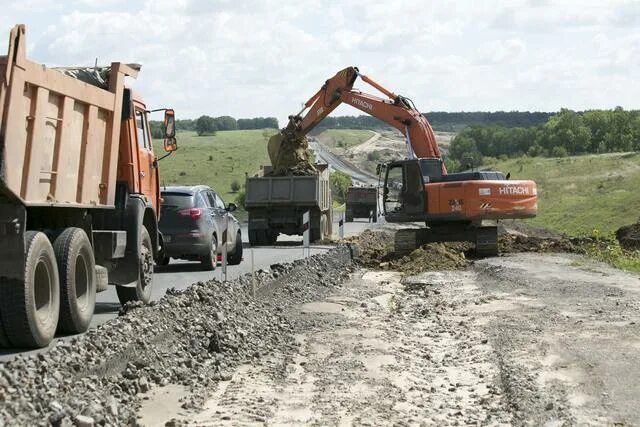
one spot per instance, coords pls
(210, 260)
(4, 341)
(324, 227)
(142, 290)
(30, 308)
(102, 279)
(76, 267)
(375, 215)
(235, 257)
(271, 238)
(163, 261)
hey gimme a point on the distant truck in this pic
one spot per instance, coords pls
(79, 194)
(276, 205)
(362, 202)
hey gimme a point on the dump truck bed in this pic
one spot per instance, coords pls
(267, 191)
(59, 136)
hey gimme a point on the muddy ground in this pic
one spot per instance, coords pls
(522, 339)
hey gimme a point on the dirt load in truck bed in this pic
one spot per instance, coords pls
(290, 155)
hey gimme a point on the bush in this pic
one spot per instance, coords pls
(339, 183)
(235, 186)
(373, 156)
(559, 152)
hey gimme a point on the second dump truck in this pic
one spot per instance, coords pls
(79, 194)
(276, 205)
(362, 202)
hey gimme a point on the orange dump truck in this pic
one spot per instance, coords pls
(79, 194)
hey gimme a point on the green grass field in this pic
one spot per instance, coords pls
(343, 138)
(216, 160)
(579, 194)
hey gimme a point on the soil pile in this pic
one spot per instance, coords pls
(629, 236)
(375, 250)
(432, 257)
(509, 243)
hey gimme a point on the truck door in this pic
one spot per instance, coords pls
(147, 174)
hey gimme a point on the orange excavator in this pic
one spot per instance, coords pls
(453, 206)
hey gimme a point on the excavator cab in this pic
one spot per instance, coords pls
(404, 196)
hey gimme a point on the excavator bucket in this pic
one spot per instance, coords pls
(273, 147)
(289, 155)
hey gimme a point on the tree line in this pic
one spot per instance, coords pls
(207, 125)
(445, 121)
(565, 133)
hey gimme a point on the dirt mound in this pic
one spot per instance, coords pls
(509, 243)
(375, 250)
(629, 236)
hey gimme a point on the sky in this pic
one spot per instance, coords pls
(249, 58)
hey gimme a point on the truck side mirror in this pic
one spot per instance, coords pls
(169, 124)
(231, 207)
(170, 145)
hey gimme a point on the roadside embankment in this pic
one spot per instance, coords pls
(193, 338)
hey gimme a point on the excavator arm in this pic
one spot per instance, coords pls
(395, 110)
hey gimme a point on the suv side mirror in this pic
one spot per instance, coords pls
(231, 207)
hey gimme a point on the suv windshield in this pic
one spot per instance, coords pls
(179, 200)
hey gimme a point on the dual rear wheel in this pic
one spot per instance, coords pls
(58, 292)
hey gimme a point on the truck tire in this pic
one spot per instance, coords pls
(102, 279)
(4, 341)
(163, 261)
(30, 308)
(235, 257)
(253, 238)
(324, 227)
(142, 290)
(271, 238)
(348, 216)
(375, 215)
(210, 260)
(76, 267)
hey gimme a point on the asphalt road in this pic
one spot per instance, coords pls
(180, 274)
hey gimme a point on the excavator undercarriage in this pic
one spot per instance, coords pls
(484, 237)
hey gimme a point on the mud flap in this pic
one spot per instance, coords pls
(13, 220)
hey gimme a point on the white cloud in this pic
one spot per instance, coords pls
(261, 58)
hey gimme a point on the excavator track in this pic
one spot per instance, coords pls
(485, 238)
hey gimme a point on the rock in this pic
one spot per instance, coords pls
(143, 384)
(84, 421)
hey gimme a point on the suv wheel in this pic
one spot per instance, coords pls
(210, 260)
